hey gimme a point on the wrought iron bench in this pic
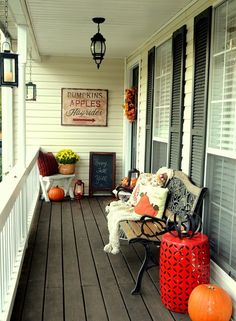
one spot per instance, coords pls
(183, 196)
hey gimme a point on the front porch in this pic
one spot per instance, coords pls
(66, 274)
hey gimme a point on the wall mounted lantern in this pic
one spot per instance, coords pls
(98, 43)
(31, 90)
(8, 60)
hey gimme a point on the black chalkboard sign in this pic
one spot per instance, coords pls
(102, 169)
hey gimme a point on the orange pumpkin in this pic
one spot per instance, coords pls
(125, 182)
(133, 181)
(209, 302)
(56, 194)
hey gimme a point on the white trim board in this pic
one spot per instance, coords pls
(222, 279)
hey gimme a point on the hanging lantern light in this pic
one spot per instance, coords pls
(31, 89)
(98, 43)
(8, 60)
(78, 189)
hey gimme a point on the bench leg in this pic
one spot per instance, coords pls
(148, 262)
(44, 187)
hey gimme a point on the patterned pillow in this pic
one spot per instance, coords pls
(153, 202)
(47, 164)
(144, 179)
(160, 178)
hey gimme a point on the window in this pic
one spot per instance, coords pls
(161, 106)
(220, 219)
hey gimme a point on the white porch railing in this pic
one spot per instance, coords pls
(19, 194)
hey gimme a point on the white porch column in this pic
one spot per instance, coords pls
(22, 50)
(7, 130)
(7, 127)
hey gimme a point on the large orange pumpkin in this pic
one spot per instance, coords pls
(209, 302)
(56, 194)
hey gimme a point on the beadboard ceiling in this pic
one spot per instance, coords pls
(65, 27)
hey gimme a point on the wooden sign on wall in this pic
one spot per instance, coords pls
(84, 107)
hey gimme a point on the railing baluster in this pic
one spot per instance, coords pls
(16, 213)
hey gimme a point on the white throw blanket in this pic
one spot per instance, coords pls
(119, 211)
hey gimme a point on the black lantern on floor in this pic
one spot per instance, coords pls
(31, 90)
(8, 60)
(78, 189)
(98, 44)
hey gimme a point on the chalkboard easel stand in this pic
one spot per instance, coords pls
(102, 169)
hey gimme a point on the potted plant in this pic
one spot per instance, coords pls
(67, 159)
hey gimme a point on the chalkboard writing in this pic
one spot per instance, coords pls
(101, 172)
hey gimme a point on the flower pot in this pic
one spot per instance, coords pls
(66, 169)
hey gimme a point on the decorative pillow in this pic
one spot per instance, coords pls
(47, 164)
(145, 207)
(156, 196)
(144, 179)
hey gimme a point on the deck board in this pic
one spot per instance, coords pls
(66, 275)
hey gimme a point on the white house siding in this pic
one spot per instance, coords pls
(186, 17)
(43, 117)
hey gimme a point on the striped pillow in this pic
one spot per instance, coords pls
(47, 164)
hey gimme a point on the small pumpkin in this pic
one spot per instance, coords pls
(133, 181)
(209, 302)
(125, 182)
(56, 194)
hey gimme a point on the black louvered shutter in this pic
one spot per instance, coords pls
(202, 34)
(177, 99)
(149, 110)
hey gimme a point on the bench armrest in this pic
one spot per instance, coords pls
(158, 226)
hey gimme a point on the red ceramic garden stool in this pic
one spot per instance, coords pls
(184, 264)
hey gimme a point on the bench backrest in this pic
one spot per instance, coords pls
(183, 195)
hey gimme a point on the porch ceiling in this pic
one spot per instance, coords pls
(64, 28)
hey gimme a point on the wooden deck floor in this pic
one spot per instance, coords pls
(67, 276)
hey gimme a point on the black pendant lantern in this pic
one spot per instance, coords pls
(8, 60)
(31, 90)
(98, 43)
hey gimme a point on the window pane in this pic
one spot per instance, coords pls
(215, 125)
(162, 91)
(230, 75)
(159, 155)
(231, 25)
(222, 129)
(217, 79)
(220, 26)
(220, 223)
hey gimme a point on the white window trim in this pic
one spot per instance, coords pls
(225, 281)
(127, 126)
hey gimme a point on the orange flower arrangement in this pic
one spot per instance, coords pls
(129, 105)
